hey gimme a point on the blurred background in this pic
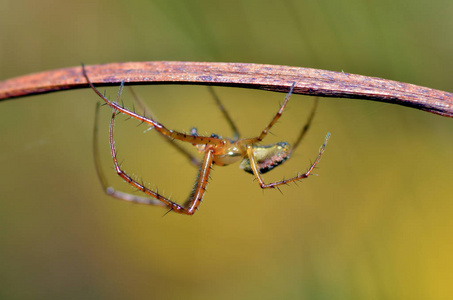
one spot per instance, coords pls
(375, 224)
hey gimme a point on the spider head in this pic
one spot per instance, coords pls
(268, 157)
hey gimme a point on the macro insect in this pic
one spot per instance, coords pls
(255, 159)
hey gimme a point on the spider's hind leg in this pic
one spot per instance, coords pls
(272, 122)
(306, 126)
(263, 185)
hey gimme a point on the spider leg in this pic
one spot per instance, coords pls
(306, 126)
(190, 206)
(108, 189)
(148, 114)
(227, 116)
(193, 139)
(274, 120)
(256, 172)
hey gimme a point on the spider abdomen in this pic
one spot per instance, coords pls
(267, 157)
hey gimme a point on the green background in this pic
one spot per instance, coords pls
(375, 224)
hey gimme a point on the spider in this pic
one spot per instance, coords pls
(255, 159)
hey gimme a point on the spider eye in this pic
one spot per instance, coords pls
(267, 157)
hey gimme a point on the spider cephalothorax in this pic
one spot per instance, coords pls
(256, 159)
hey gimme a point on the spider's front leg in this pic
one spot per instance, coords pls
(256, 170)
(148, 114)
(189, 207)
(171, 134)
(107, 188)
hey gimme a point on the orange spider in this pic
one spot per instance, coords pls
(256, 159)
